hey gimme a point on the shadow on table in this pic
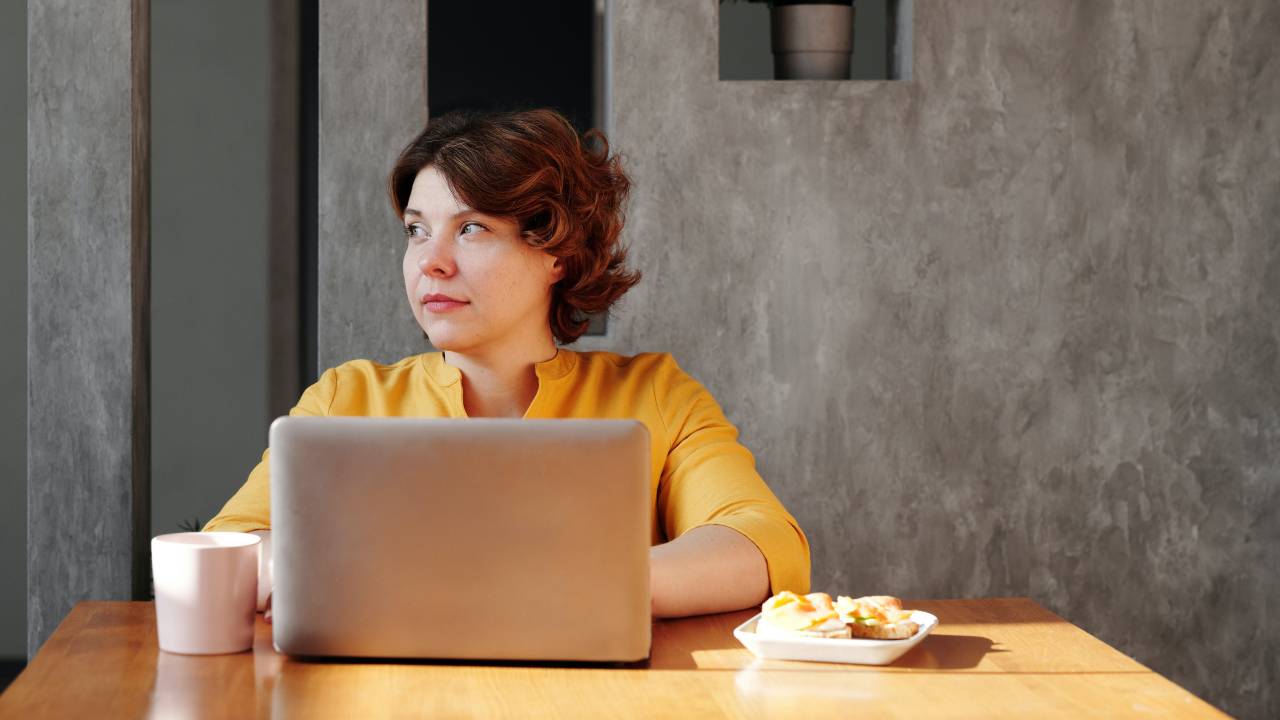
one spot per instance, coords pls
(831, 682)
(947, 652)
(819, 685)
(707, 643)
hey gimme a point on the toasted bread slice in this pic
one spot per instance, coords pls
(884, 609)
(888, 602)
(900, 630)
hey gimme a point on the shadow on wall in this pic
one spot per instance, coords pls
(13, 327)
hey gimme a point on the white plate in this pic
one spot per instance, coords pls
(858, 651)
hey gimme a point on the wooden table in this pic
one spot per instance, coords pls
(990, 657)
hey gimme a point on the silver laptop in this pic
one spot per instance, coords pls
(468, 539)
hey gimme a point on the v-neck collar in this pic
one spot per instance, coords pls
(448, 376)
(444, 374)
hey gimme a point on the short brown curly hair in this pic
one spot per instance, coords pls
(532, 166)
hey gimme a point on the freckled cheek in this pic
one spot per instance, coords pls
(504, 281)
(409, 269)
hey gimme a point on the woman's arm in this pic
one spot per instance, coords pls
(712, 502)
(709, 569)
(265, 581)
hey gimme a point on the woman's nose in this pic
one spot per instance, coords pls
(437, 259)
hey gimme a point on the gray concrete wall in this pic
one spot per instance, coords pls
(1010, 328)
(87, 247)
(210, 157)
(13, 326)
(373, 100)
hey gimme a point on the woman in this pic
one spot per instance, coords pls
(512, 228)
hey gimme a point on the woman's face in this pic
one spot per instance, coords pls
(498, 287)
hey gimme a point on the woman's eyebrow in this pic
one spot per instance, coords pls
(460, 213)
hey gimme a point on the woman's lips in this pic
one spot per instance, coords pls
(439, 306)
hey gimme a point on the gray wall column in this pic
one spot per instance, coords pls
(373, 67)
(88, 284)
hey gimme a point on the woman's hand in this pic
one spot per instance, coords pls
(265, 578)
(709, 569)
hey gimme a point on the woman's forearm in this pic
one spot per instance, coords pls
(265, 581)
(709, 569)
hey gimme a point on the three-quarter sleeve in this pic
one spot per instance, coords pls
(250, 508)
(709, 478)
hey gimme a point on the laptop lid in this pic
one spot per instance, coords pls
(461, 538)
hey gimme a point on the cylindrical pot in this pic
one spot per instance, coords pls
(812, 41)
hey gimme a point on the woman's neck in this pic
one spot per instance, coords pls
(501, 382)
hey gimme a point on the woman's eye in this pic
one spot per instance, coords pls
(415, 231)
(470, 224)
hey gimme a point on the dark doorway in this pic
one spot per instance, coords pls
(503, 55)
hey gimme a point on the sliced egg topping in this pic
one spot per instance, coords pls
(799, 612)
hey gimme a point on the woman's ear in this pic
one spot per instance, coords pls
(557, 269)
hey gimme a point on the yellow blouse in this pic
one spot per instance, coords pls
(701, 474)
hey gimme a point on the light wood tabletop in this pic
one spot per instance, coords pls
(988, 657)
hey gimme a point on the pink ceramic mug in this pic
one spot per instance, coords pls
(206, 591)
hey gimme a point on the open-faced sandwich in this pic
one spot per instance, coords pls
(877, 617)
(811, 615)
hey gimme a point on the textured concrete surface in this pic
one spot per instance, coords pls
(372, 102)
(80, 350)
(1009, 328)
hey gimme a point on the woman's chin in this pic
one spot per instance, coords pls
(443, 337)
